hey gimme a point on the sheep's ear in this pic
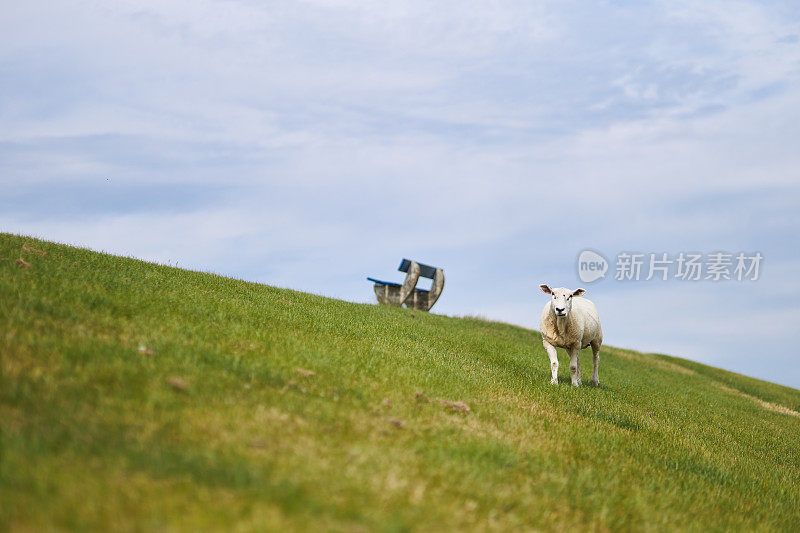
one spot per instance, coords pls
(546, 289)
(578, 292)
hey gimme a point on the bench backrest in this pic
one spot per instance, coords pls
(426, 271)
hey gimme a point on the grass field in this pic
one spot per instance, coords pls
(135, 396)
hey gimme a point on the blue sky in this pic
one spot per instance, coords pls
(310, 144)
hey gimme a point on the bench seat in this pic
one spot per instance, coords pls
(379, 282)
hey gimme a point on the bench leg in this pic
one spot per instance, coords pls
(410, 283)
(436, 288)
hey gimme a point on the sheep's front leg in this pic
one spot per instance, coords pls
(551, 352)
(573, 366)
(596, 359)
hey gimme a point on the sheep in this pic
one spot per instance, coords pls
(572, 323)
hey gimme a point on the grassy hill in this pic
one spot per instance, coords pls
(135, 396)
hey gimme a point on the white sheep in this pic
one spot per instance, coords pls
(572, 323)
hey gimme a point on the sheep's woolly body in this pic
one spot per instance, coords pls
(578, 329)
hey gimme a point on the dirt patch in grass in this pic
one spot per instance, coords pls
(30, 249)
(457, 406)
(177, 384)
(397, 423)
(420, 397)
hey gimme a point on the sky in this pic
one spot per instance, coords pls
(310, 144)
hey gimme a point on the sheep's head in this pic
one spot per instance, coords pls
(561, 299)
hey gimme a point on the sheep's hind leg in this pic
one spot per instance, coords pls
(574, 366)
(596, 359)
(551, 352)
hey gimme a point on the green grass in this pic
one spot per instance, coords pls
(94, 437)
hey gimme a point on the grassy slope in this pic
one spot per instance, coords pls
(93, 436)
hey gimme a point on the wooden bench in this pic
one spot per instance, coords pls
(407, 293)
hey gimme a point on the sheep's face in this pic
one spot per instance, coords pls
(561, 299)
